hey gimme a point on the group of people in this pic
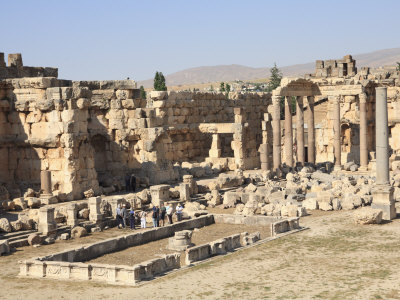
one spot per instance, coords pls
(127, 217)
(159, 214)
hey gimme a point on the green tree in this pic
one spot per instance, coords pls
(142, 92)
(159, 82)
(211, 88)
(227, 88)
(398, 66)
(222, 87)
(275, 78)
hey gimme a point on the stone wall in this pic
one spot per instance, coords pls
(89, 134)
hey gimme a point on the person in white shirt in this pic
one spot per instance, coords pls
(143, 215)
(170, 211)
(179, 210)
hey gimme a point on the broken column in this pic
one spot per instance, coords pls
(336, 133)
(47, 225)
(215, 150)
(72, 218)
(311, 130)
(276, 128)
(94, 207)
(382, 191)
(300, 129)
(264, 153)
(363, 132)
(288, 132)
(184, 192)
(192, 184)
(45, 185)
(159, 194)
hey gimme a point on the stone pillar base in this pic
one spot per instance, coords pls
(337, 168)
(383, 200)
(363, 168)
(48, 199)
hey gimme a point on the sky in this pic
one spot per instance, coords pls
(101, 39)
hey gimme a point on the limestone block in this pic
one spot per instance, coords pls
(325, 206)
(367, 215)
(5, 225)
(4, 247)
(310, 204)
(34, 239)
(78, 232)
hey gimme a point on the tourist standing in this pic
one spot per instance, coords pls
(124, 214)
(127, 182)
(132, 183)
(132, 218)
(155, 215)
(163, 212)
(119, 217)
(179, 210)
(170, 211)
(143, 215)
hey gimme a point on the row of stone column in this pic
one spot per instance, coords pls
(363, 132)
(276, 127)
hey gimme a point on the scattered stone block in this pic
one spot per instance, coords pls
(368, 215)
(78, 232)
(34, 239)
(4, 247)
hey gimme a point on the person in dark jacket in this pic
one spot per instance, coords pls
(132, 218)
(163, 212)
(132, 182)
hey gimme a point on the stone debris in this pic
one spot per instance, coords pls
(78, 232)
(367, 215)
(34, 239)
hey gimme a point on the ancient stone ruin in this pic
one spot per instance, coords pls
(69, 151)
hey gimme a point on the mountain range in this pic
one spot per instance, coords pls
(209, 74)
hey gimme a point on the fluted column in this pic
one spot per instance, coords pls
(300, 129)
(311, 129)
(288, 132)
(363, 132)
(276, 129)
(336, 133)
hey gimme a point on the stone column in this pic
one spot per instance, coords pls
(300, 129)
(192, 184)
(45, 182)
(264, 153)
(311, 130)
(383, 191)
(47, 225)
(363, 132)
(184, 192)
(72, 219)
(159, 194)
(94, 207)
(215, 150)
(336, 133)
(276, 129)
(288, 132)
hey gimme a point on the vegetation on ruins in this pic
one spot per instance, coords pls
(142, 92)
(275, 78)
(222, 87)
(227, 88)
(211, 88)
(398, 66)
(159, 82)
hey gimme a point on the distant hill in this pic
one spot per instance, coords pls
(209, 74)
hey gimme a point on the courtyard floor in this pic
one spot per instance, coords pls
(334, 259)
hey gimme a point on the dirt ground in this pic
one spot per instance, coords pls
(138, 254)
(334, 259)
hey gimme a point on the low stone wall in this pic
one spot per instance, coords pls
(69, 264)
(101, 272)
(217, 247)
(97, 249)
(276, 224)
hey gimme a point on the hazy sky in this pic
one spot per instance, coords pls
(102, 39)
